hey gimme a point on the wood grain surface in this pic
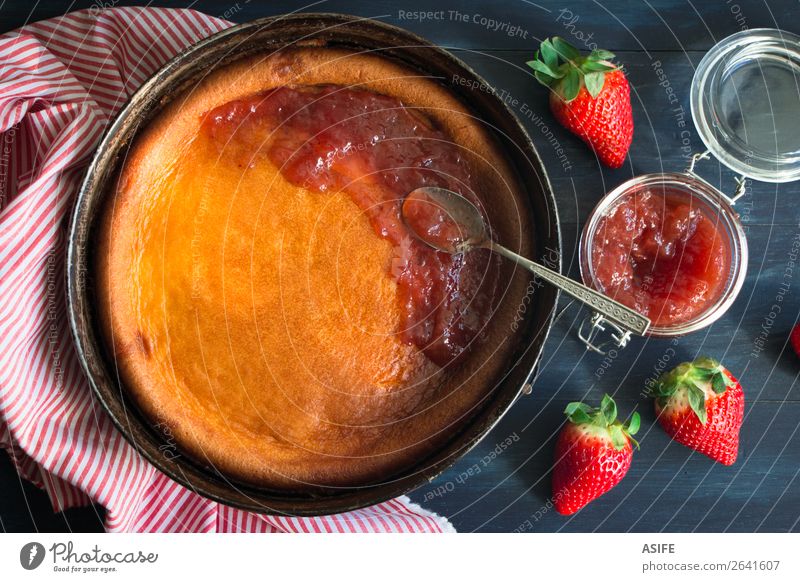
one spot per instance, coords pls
(504, 484)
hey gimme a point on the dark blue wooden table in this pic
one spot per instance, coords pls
(504, 484)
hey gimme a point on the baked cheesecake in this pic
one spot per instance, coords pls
(259, 293)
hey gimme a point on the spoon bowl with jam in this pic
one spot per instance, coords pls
(449, 222)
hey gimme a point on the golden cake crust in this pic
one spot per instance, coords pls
(255, 322)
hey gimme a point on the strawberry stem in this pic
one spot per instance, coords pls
(563, 69)
(605, 417)
(693, 377)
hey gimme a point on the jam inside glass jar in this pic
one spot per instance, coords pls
(668, 246)
(662, 256)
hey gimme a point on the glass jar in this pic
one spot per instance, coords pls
(692, 190)
(745, 102)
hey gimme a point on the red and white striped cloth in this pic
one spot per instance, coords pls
(61, 81)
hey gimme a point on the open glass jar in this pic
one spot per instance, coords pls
(670, 245)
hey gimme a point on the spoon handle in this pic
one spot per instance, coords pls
(604, 305)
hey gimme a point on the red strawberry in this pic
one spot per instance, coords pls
(701, 405)
(590, 96)
(794, 339)
(593, 454)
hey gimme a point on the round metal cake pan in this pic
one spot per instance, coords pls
(187, 69)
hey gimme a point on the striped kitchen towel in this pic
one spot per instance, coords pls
(61, 82)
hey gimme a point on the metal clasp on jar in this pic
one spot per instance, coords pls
(741, 184)
(593, 328)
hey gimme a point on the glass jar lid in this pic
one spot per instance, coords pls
(745, 101)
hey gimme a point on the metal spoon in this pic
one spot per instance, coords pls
(449, 222)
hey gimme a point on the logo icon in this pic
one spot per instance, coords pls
(31, 555)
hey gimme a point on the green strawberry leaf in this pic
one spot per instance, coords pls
(705, 362)
(633, 424)
(594, 83)
(564, 49)
(618, 438)
(559, 65)
(571, 84)
(728, 382)
(579, 413)
(540, 67)
(543, 79)
(549, 54)
(605, 418)
(601, 55)
(593, 66)
(573, 406)
(696, 378)
(701, 374)
(665, 388)
(707, 370)
(631, 427)
(697, 400)
(719, 383)
(609, 409)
